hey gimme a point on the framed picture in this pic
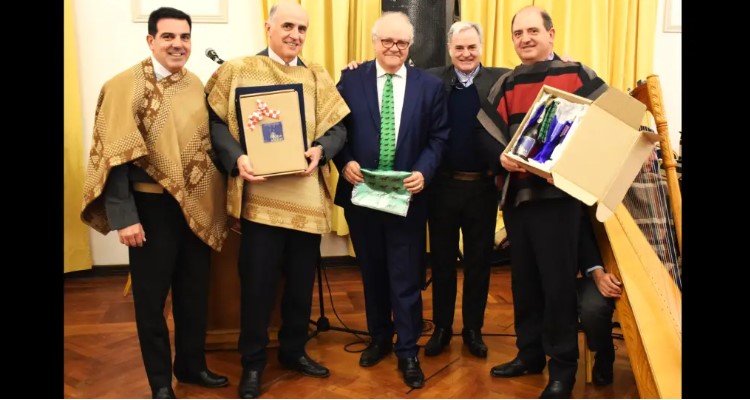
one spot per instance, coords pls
(673, 16)
(207, 11)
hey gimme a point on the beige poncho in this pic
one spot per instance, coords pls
(290, 201)
(161, 127)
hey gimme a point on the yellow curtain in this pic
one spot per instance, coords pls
(614, 37)
(339, 32)
(77, 250)
(494, 16)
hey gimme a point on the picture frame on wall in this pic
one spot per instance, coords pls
(206, 11)
(672, 15)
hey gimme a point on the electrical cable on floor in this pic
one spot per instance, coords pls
(333, 308)
(427, 325)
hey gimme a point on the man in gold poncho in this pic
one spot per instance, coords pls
(282, 217)
(150, 176)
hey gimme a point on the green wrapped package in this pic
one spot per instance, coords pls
(383, 191)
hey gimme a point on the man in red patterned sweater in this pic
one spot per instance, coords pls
(542, 221)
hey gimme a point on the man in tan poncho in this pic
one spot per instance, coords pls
(150, 173)
(282, 217)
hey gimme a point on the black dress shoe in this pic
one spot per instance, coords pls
(374, 353)
(164, 392)
(306, 366)
(513, 368)
(413, 376)
(602, 374)
(473, 339)
(249, 387)
(440, 338)
(557, 390)
(205, 378)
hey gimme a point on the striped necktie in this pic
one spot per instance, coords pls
(387, 127)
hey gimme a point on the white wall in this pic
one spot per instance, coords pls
(668, 65)
(109, 42)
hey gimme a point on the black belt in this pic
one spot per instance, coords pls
(467, 176)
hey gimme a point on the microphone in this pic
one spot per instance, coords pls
(211, 53)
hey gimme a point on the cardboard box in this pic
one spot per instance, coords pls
(605, 153)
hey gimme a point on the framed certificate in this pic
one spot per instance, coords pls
(272, 128)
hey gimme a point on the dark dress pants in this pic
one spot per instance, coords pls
(391, 253)
(469, 206)
(172, 256)
(266, 253)
(543, 235)
(595, 312)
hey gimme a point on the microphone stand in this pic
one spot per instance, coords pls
(322, 324)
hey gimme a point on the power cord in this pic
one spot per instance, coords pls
(428, 325)
(360, 339)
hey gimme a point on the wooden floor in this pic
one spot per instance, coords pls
(102, 358)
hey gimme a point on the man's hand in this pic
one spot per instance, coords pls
(510, 165)
(352, 173)
(246, 169)
(132, 236)
(415, 182)
(313, 155)
(607, 283)
(353, 65)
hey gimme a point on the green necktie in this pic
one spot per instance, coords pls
(387, 127)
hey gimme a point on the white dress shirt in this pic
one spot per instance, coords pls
(399, 89)
(278, 59)
(159, 70)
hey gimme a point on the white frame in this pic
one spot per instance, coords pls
(142, 8)
(672, 23)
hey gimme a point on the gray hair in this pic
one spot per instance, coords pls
(388, 14)
(461, 26)
(272, 11)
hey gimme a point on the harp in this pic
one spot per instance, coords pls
(637, 245)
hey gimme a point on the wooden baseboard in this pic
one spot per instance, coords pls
(124, 269)
(339, 261)
(100, 270)
(227, 339)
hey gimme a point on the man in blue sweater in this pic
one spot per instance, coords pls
(463, 196)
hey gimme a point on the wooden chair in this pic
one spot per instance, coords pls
(126, 290)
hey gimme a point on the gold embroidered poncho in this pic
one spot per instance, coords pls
(161, 127)
(289, 201)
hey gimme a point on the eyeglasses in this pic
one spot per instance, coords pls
(388, 43)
